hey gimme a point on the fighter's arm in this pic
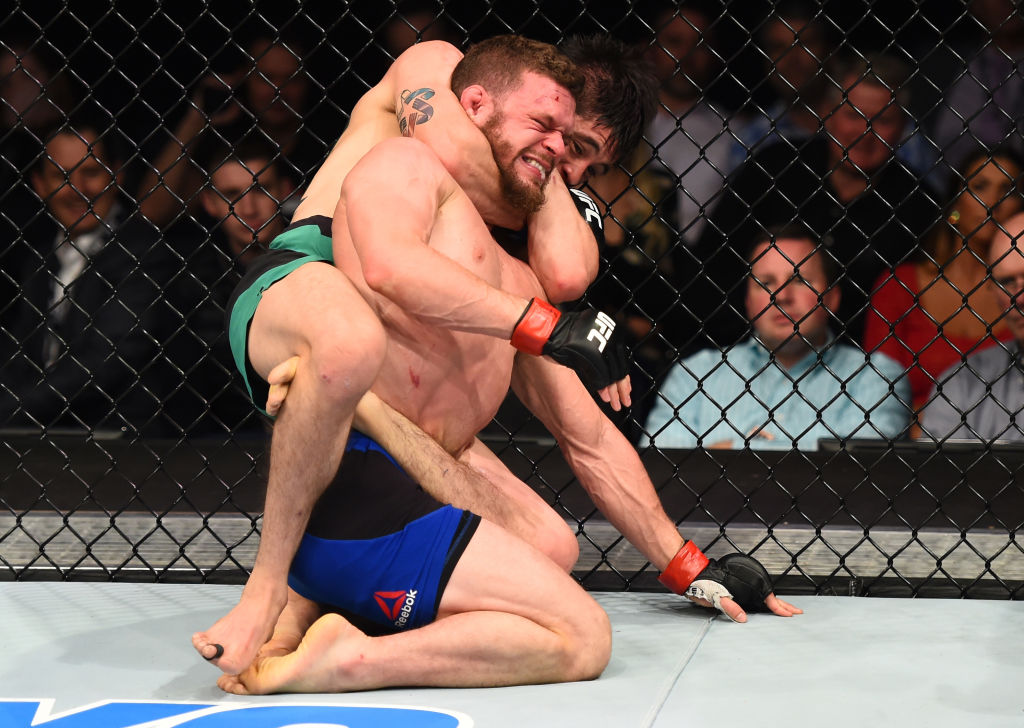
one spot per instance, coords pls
(562, 249)
(562, 244)
(419, 93)
(609, 469)
(390, 203)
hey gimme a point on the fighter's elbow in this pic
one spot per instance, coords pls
(568, 284)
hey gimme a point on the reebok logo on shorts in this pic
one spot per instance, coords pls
(396, 605)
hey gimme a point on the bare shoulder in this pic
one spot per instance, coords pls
(403, 160)
(434, 57)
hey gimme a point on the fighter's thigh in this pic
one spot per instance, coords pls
(501, 573)
(315, 305)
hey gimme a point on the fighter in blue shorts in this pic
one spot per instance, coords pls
(378, 549)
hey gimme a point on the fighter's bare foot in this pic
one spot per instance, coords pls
(241, 632)
(321, 663)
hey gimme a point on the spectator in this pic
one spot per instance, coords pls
(985, 103)
(247, 189)
(242, 208)
(791, 383)
(416, 21)
(272, 105)
(983, 398)
(688, 135)
(845, 184)
(929, 313)
(34, 95)
(82, 343)
(794, 46)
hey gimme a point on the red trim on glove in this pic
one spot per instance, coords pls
(684, 567)
(534, 327)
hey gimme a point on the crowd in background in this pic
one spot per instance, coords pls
(834, 257)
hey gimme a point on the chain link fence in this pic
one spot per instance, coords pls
(813, 252)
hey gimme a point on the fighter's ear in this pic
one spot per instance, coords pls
(477, 102)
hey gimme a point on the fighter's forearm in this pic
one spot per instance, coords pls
(562, 248)
(603, 460)
(613, 475)
(435, 470)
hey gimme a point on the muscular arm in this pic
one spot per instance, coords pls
(420, 96)
(390, 206)
(562, 247)
(603, 460)
(442, 476)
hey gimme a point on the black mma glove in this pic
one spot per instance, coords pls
(587, 209)
(585, 341)
(738, 576)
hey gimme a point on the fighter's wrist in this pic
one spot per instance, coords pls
(684, 567)
(534, 327)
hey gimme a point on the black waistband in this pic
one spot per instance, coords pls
(321, 221)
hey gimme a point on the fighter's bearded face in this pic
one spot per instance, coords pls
(527, 130)
(525, 195)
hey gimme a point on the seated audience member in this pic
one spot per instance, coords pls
(983, 397)
(796, 46)
(984, 103)
(791, 383)
(688, 135)
(929, 313)
(845, 185)
(83, 343)
(269, 100)
(242, 207)
(34, 95)
(244, 198)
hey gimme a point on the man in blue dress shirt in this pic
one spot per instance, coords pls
(791, 382)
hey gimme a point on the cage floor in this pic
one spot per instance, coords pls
(84, 655)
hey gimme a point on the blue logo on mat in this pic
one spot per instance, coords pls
(154, 714)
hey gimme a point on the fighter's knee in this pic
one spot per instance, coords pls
(558, 542)
(588, 647)
(346, 364)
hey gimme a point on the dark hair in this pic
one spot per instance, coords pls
(937, 243)
(620, 90)
(796, 231)
(253, 147)
(884, 70)
(108, 144)
(499, 63)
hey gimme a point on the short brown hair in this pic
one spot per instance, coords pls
(499, 63)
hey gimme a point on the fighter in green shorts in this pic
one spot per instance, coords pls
(304, 241)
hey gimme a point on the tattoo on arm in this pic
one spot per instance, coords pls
(414, 110)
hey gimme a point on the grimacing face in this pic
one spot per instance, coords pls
(588, 153)
(527, 132)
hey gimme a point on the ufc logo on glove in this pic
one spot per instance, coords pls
(603, 328)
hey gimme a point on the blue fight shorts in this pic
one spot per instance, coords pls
(378, 549)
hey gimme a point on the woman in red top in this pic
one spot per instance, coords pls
(932, 312)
